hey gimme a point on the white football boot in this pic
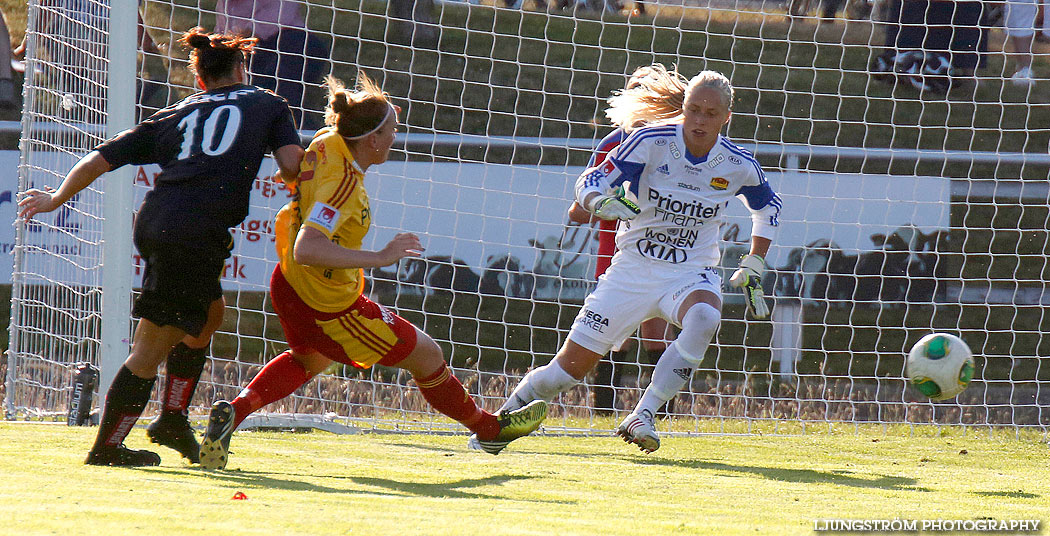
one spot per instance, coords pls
(638, 428)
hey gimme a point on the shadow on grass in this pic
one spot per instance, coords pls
(801, 476)
(448, 451)
(514, 448)
(1011, 494)
(458, 489)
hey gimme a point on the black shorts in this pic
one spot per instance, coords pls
(178, 285)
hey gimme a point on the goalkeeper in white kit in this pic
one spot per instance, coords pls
(670, 183)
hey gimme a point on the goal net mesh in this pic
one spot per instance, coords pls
(915, 200)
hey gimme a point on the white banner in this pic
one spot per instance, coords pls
(503, 228)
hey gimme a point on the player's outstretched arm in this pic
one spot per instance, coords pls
(89, 168)
(288, 159)
(749, 277)
(313, 248)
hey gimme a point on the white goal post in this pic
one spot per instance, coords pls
(907, 211)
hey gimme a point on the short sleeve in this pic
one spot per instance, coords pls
(133, 146)
(629, 159)
(283, 131)
(326, 189)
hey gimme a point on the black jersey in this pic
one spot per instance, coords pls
(209, 147)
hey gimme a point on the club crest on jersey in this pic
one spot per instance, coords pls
(674, 150)
(735, 160)
(663, 169)
(322, 150)
(716, 160)
(719, 183)
(324, 216)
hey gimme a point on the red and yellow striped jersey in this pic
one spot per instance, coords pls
(329, 196)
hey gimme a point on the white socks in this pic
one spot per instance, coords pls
(676, 365)
(671, 374)
(543, 383)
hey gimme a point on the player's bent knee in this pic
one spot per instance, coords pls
(699, 325)
(425, 359)
(577, 359)
(313, 363)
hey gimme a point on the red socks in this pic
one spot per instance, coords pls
(278, 379)
(446, 394)
(283, 375)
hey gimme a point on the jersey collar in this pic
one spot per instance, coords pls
(344, 148)
(685, 151)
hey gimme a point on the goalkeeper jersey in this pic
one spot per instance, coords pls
(329, 196)
(682, 197)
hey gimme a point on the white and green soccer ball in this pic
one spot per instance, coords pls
(940, 366)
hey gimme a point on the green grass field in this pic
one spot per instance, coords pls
(319, 483)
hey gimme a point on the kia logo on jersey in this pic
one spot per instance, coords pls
(661, 252)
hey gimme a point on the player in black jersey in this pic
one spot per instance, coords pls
(209, 146)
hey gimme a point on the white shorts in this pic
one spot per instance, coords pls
(628, 294)
(1020, 17)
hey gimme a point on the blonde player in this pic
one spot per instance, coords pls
(317, 287)
(679, 178)
(652, 95)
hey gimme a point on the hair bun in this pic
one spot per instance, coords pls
(340, 103)
(199, 41)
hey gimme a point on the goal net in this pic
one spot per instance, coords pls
(914, 188)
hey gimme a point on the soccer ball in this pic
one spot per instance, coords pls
(940, 366)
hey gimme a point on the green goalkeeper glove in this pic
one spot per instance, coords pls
(614, 207)
(749, 277)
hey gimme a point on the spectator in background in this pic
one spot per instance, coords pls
(831, 9)
(7, 82)
(1044, 35)
(1020, 32)
(66, 31)
(411, 22)
(932, 44)
(287, 58)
